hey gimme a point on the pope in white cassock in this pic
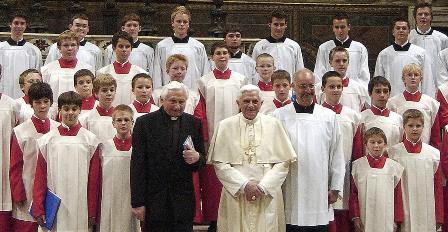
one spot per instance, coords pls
(316, 181)
(252, 165)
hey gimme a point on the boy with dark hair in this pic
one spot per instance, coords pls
(281, 84)
(142, 90)
(83, 81)
(16, 56)
(24, 155)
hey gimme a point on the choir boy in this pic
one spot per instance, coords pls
(281, 84)
(122, 69)
(142, 90)
(88, 52)
(142, 55)
(354, 94)
(181, 43)
(116, 210)
(24, 155)
(9, 117)
(219, 91)
(26, 79)
(16, 56)
(412, 98)
(59, 73)
(265, 67)
(286, 52)
(422, 176)
(99, 119)
(349, 125)
(68, 164)
(379, 115)
(83, 80)
(376, 202)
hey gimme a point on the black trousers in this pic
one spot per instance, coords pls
(171, 223)
(294, 228)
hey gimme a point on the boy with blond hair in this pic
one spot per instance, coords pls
(265, 67)
(26, 79)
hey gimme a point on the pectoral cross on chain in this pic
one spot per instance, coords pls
(250, 153)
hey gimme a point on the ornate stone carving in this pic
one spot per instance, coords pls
(147, 15)
(218, 17)
(110, 15)
(4, 16)
(38, 13)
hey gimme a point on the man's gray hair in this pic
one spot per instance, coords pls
(249, 88)
(173, 86)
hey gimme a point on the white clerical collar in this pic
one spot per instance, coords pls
(122, 64)
(344, 39)
(413, 93)
(413, 144)
(65, 126)
(141, 102)
(42, 120)
(249, 121)
(381, 110)
(405, 43)
(283, 102)
(421, 32)
(374, 157)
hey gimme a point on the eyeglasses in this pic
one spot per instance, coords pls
(304, 86)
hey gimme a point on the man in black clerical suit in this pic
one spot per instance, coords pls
(167, 147)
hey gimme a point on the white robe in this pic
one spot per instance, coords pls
(27, 135)
(287, 55)
(427, 105)
(433, 44)
(376, 188)
(26, 111)
(137, 114)
(244, 65)
(358, 67)
(392, 126)
(13, 61)
(268, 107)
(195, 52)
(390, 63)
(116, 209)
(89, 54)
(316, 138)
(99, 125)
(417, 186)
(124, 93)
(190, 105)
(220, 97)
(61, 79)
(443, 66)
(354, 96)
(142, 56)
(68, 177)
(9, 115)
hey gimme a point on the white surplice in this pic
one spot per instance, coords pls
(142, 56)
(392, 126)
(26, 111)
(354, 96)
(99, 125)
(89, 54)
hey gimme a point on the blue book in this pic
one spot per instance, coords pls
(52, 202)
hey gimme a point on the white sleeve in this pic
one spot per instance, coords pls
(203, 61)
(158, 70)
(337, 165)
(320, 66)
(53, 54)
(274, 178)
(231, 179)
(443, 68)
(299, 62)
(379, 69)
(364, 74)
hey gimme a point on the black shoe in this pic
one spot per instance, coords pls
(212, 227)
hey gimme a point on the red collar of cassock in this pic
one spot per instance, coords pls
(26, 99)
(142, 107)
(124, 68)
(345, 81)
(68, 63)
(280, 104)
(222, 75)
(336, 108)
(104, 112)
(378, 112)
(72, 131)
(376, 163)
(123, 145)
(265, 86)
(42, 126)
(411, 148)
(88, 103)
(415, 97)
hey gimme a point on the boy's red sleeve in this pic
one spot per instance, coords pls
(357, 149)
(398, 204)
(94, 183)
(40, 186)
(443, 109)
(354, 211)
(18, 192)
(200, 113)
(435, 139)
(438, 195)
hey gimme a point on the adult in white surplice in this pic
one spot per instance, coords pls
(317, 180)
(251, 165)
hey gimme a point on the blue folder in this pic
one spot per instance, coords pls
(52, 202)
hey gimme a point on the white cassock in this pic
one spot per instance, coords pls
(68, 177)
(269, 106)
(267, 96)
(190, 105)
(142, 55)
(116, 209)
(26, 111)
(348, 122)
(243, 150)
(391, 125)
(287, 55)
(194, 50)
(61, 79)
(9, 115)
(390, 63)
(88, 53)
(443, 65)
(99, 125)
(354, 96)
(316, 138)
(13, 61)
(358, 67)
(220, 97)
(138, 114)
(26, 136)
(124, 93)
(243, 64)
(376, 188)
(427, 105)
(417, 186)
(433, 42)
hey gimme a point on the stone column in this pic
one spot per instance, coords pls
(146, 16)
(110, 16)
(218, 17)
(38, 11)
